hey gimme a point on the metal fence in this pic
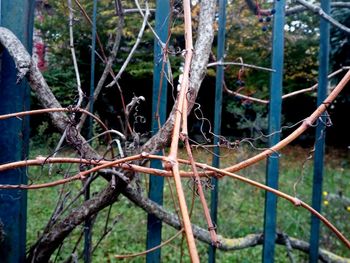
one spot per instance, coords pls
(275, 107)
(17, 15)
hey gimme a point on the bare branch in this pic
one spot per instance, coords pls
(51, 240)
(138, 40)
(108, 61)
(172, 162)
(306, 6)
(245, 97)
(297, 9)
(76, 69)
(107, 69)
(75, 64)
(292, 10)
(160, 42)
(286, 96)
(53, 237)
(136, 10)
(222, 63)
(305, 125)
(21, 58)
(319, 11)
(151, 249)
(226, 244)
(40, 87)
(199, 63)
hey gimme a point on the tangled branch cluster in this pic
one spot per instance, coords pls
(120, 171)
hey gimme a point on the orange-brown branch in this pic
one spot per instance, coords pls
(184, 136)
(172, 162)
(81, 175)
(41, 111)
(286, 96)
(295, 201)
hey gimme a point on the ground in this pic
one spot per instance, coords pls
(241, 209)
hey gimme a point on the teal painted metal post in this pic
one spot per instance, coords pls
(92, 69)
(159, 107)
(217, 117)
(16, 15)
(87, 223)
(320, 133)
(275, 107)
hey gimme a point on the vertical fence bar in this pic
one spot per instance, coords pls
(275, 107)
(217, 117)
(159, 107)
(88, 223)
(92, 69)
(320, 133)
(16, 15)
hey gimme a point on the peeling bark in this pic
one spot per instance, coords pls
(27, 67)
(202, 49)
(48, 100)
(51, 240)
(20, 56)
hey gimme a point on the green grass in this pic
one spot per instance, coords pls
(241, 210)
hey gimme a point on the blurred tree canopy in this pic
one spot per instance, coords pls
(248, 39)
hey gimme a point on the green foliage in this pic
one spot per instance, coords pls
(301, 66)
(44, 138)
(251, 119)
(61, 79)
(245, 39)
(240, 212)
(340, 41)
